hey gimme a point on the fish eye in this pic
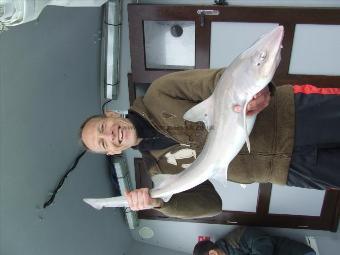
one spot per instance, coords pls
(260, 58)
(263, 55)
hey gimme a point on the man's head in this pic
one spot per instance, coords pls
(109, 134)
(207, 248)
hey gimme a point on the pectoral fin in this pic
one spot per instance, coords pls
(220, 177)
(99, 203)
(163, 180)
(95, 203)
(203, 111)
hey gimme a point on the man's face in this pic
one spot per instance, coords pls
(110, 134)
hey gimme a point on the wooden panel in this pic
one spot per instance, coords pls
(288, 17)
(317, 80)
(133, 87)
(264, 199)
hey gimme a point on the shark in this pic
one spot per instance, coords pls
(228, 130)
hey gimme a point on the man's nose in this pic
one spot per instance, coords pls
(107, 132)
(106, 135)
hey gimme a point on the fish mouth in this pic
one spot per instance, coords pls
(274, 39)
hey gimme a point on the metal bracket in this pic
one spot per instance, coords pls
(202, 13)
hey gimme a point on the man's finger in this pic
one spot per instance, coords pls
(237, 108)
(129, 199)
(134, 199)
(146, 200)
(140, 200)
(258, 103)
(258, 108)
(257, 95)
(252, 105)
(250, 113)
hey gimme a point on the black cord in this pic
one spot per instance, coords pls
(103, 106)
(61, 182)
(75, 163)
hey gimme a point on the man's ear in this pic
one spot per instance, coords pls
(213, 252)
(112, 114)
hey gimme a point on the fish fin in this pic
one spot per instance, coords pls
(220, 177)
(99, 203)
(202, 112)
(166, 199)
(161, 180)
(245, 126)
(95, 203)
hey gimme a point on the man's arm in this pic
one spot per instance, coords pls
(200, 201)
(194, 86)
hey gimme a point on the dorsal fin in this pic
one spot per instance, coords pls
(220, 176)
(203, 111)
(162, 180)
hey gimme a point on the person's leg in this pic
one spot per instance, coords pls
(316, 156)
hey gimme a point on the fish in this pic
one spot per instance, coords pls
(228, 130)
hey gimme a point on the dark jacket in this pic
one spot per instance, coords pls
(248, 241)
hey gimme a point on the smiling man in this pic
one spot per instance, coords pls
(167, 142)
(110, 134)
(290, 143)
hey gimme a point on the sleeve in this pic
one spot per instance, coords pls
(178, 92)
(257, 242)
(193, 85)
(234, 237)
(198, 202)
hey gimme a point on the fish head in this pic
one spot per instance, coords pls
(258, 63)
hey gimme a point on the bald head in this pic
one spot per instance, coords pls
(109, 134)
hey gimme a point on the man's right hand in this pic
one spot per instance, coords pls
(140, 199)
(257, 104)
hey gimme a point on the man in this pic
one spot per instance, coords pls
(242, 241)
(168, 143)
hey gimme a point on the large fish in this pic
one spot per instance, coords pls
(249, 73)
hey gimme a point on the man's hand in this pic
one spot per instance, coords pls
(140, 199)
(257, 104)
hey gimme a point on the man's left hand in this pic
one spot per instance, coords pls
(258, 103)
